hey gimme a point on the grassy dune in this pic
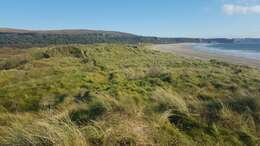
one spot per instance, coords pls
(110, 94)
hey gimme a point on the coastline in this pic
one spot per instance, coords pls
(187, 50)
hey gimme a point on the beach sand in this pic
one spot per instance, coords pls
(186, 50)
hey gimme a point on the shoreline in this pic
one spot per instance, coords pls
(187, 50)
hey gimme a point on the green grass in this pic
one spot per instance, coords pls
(111, 94)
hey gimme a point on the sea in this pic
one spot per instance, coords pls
(243, 50)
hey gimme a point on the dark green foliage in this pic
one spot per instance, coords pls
(84, 96)
(167, 77)
(212, 111)
(34, 38)
(247, 139)
(244, 104)
(184, 122)
(91, 112)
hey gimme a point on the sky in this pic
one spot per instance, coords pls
(162, 18)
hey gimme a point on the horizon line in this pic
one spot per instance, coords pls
(104, 30)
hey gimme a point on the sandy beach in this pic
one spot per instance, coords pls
(186, 50)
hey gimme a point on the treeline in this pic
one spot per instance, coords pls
(34, 38)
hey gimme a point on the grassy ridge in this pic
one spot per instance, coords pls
(110, 94)
(17, 38)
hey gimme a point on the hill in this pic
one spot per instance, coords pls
(33, 38)
(115, 94)
(65, 31)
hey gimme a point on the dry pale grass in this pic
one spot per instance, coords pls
(47, 131)
(170, 98)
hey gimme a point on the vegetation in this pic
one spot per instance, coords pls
(26, 38)
(111, 94)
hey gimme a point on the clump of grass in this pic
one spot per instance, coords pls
(13, 63)
(167, 134)
(90, 112)
(242, 104)
(168, 100)
(41, 132)
(63, 51)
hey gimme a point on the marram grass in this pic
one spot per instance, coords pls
(112, 94)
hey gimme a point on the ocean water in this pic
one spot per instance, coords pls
(243, 50)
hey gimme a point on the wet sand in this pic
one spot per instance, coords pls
(186, 50)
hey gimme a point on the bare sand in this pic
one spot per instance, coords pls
(186, 50)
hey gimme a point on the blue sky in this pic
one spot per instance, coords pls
(165, 18)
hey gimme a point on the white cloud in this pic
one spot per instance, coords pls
(232, 9)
